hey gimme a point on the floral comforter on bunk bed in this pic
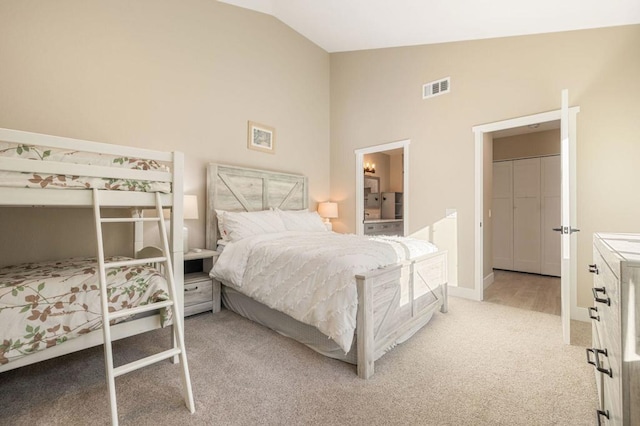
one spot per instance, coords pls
(45, 304)
(58, 181)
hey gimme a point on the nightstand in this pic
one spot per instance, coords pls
(201, 292)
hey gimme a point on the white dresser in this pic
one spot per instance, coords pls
(615, 315)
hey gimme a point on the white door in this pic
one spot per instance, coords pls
(550, 198)
(567, 149)
(502, 215)
(526, 215)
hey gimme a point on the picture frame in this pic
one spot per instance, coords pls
(261, 137)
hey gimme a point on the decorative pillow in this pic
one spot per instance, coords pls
(245, 224)
(302, 220)
(221, 230)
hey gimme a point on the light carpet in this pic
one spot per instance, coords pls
(479, 364)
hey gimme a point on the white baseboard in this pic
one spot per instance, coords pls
(580, 314)
(488, 280)
(466, 293)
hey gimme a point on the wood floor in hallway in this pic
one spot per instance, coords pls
(526, 291)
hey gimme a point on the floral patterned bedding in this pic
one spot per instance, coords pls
(46, 304)
(41, 180)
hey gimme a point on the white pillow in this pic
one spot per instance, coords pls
(302, 220)
(245, 224)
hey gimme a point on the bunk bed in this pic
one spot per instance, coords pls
(264, 270)
(136, 295)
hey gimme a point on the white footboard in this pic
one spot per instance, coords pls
(396, 301)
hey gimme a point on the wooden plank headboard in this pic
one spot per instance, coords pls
(239, 189)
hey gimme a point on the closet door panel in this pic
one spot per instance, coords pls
(503, 179)
(526, 178)
(502, 215)
(526, 235)
(526, 215)
(551, 187)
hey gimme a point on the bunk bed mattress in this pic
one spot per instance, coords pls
(310, 276)
(46, 304)
(59, 181)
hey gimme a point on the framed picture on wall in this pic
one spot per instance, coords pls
(261, 138)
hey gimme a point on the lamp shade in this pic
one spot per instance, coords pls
(190, 207)
(328, 210)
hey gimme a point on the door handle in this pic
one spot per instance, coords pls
(566, 230)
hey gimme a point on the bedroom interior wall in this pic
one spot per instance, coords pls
(396, 174)
(167, 75)
(383, 168)
(376, 98)
(527, 145)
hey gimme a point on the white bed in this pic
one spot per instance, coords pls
(374, 287)
(50, 171)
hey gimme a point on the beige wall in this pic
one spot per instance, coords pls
(376, 98)
(170, 75)
(395, 172)
(527, 145)
(382, 163)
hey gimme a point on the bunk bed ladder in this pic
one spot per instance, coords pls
(178, 330)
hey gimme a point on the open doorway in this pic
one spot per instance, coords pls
(483, 139)
(382, 188)
(524, 206)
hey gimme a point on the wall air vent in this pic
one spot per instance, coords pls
(436, 88)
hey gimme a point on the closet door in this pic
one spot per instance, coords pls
(526, 215)
(551, 186)
(502, 215)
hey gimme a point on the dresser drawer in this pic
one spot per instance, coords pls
(607, 288)
(599, 376)
(384, 228)
(608, 380)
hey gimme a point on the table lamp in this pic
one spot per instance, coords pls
(190, 212)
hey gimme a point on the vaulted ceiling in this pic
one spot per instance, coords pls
(345, 25)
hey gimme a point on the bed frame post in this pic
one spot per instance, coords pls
(364, 330)
(445, 299)
(138, 231)
(176, 243)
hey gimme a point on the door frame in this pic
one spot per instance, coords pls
(404, 144)
(479, 132)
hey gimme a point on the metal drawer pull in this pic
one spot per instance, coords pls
(593, 268)
(592, 315)
(596, 353)
(602, 290)
(602, 413)
(190, 289)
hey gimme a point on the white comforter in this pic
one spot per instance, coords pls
(310, 276)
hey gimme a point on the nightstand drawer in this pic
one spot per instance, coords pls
(201, 292)
(197, 290)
